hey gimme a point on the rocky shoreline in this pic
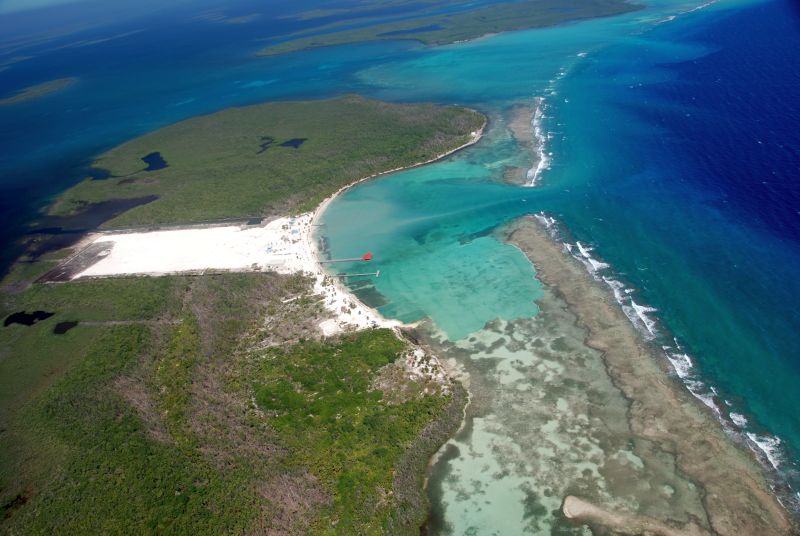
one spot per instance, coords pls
(735, 496)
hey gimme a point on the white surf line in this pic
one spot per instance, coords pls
(539, 142)
(540, 136)
(766, 448)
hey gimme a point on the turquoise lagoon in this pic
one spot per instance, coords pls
(675, 156)
(646, 173)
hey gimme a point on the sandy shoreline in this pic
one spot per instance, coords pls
(474, 138)
(736, 497)
(340, 289)
(284, 245)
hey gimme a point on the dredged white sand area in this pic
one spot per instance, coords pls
(284, 245)
(278, 246)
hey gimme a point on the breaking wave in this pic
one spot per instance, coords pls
(539, 143)
(766, 447)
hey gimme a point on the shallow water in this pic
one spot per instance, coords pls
(628, 178)
(640, 110)
(546, 421)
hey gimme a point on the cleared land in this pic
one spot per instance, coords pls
(215, 404)
(278, 246)
(450, 27)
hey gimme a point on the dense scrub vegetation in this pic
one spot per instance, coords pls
(200, 405)
(318, 399)
(239, 162)
(432, 25)
(208, 405)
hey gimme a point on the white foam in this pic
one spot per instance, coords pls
(641, 312)
(671, 18)
(702, 6)
(547, 221)
(592, 264)
(684, 368)
(697, 388)
(738, 419)
(769, 446)
(682, 364)
(539, 141)
(617, 288)
(596, 265)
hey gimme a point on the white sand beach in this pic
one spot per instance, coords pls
(284, 245)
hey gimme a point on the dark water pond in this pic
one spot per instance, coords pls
(98, 174)
(294, 143)
(267, 143)
(26, 319)
(154, 161)
(63, 327)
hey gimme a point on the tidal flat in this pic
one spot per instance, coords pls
(36, 91)
(520, 123)
(574, 421)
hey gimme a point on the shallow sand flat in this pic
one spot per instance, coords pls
(575, 508)
(520, 123)
(545, 421)
(661, 414)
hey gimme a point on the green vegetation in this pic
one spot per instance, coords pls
(39, 90)
(236, 163)
(209, 405)
(452, 26)
(175, 407)
(319, 401)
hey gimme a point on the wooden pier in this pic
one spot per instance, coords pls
(376, 274)
(366, 257)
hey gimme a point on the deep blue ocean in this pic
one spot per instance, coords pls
(675, 155)
(708, 161)
(694, 197)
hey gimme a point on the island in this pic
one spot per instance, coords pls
(257, 399)
(445, 26)
(38, 90)
(267, 160)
